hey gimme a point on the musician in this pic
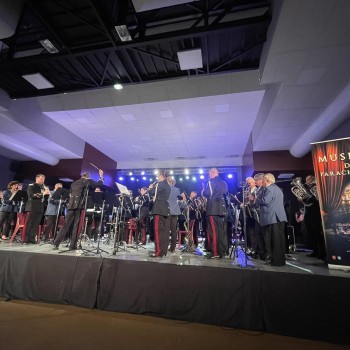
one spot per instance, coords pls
(8, 209)
(313, 221)
(216, 214)
(161, 214)
(249, 214)
(272, 220)
(259, 248)
(174, 211)
(194, 215)
(38, 195)
(143, 213)
(51, 214)
(78, 190)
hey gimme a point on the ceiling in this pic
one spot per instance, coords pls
(273, 77)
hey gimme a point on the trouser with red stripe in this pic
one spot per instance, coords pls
(161, 234)
(217, 235)
(143, 228)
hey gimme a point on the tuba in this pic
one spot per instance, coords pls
(300, 191)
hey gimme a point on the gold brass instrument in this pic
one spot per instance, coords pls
(300, 191)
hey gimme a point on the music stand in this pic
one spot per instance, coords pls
(98, 250)
(61, 194)
(18, 196)
(112, 202)
(84, 220)
(189, 244)
(117, 224)
(236, 245)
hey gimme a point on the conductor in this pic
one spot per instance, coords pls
(77, 193)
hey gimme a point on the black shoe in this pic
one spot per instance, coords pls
(55, 247)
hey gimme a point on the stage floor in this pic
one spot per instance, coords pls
(294, 300)
(297, 262)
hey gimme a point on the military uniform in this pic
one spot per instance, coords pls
(216, 214)
(75, 205)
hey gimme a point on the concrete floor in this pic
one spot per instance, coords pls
(34, 326)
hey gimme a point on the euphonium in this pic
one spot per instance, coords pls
(300, 191)
(313, 189)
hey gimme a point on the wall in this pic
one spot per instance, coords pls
(8, 171)
(70, 168)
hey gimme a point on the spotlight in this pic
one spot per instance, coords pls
(194, 178)
(180, 179)
(187, 177)
(171, 172)
(132, 178)
(200, 171)
(202, 177)
(150, 180)
(156, 172)
(121, 178)
(186, 171)
(144, 178)
(130, 173)
(229, 176)
(142, 173)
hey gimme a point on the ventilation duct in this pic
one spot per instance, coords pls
(31, 152)
(333, 116)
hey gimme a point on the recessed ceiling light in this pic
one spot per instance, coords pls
(222, 108)
(190, 59)
(166, 114)
(128, 117)
(38, 81)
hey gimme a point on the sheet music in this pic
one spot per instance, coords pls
(123, 189)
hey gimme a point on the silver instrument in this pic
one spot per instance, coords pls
(301, 191)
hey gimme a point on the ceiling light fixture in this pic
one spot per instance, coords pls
(190, 59)
(48, 46)
(123, 33)
(118, 86)
(38, 80)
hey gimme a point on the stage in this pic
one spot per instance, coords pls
(303, 299)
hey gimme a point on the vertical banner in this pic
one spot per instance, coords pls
(331, 161)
